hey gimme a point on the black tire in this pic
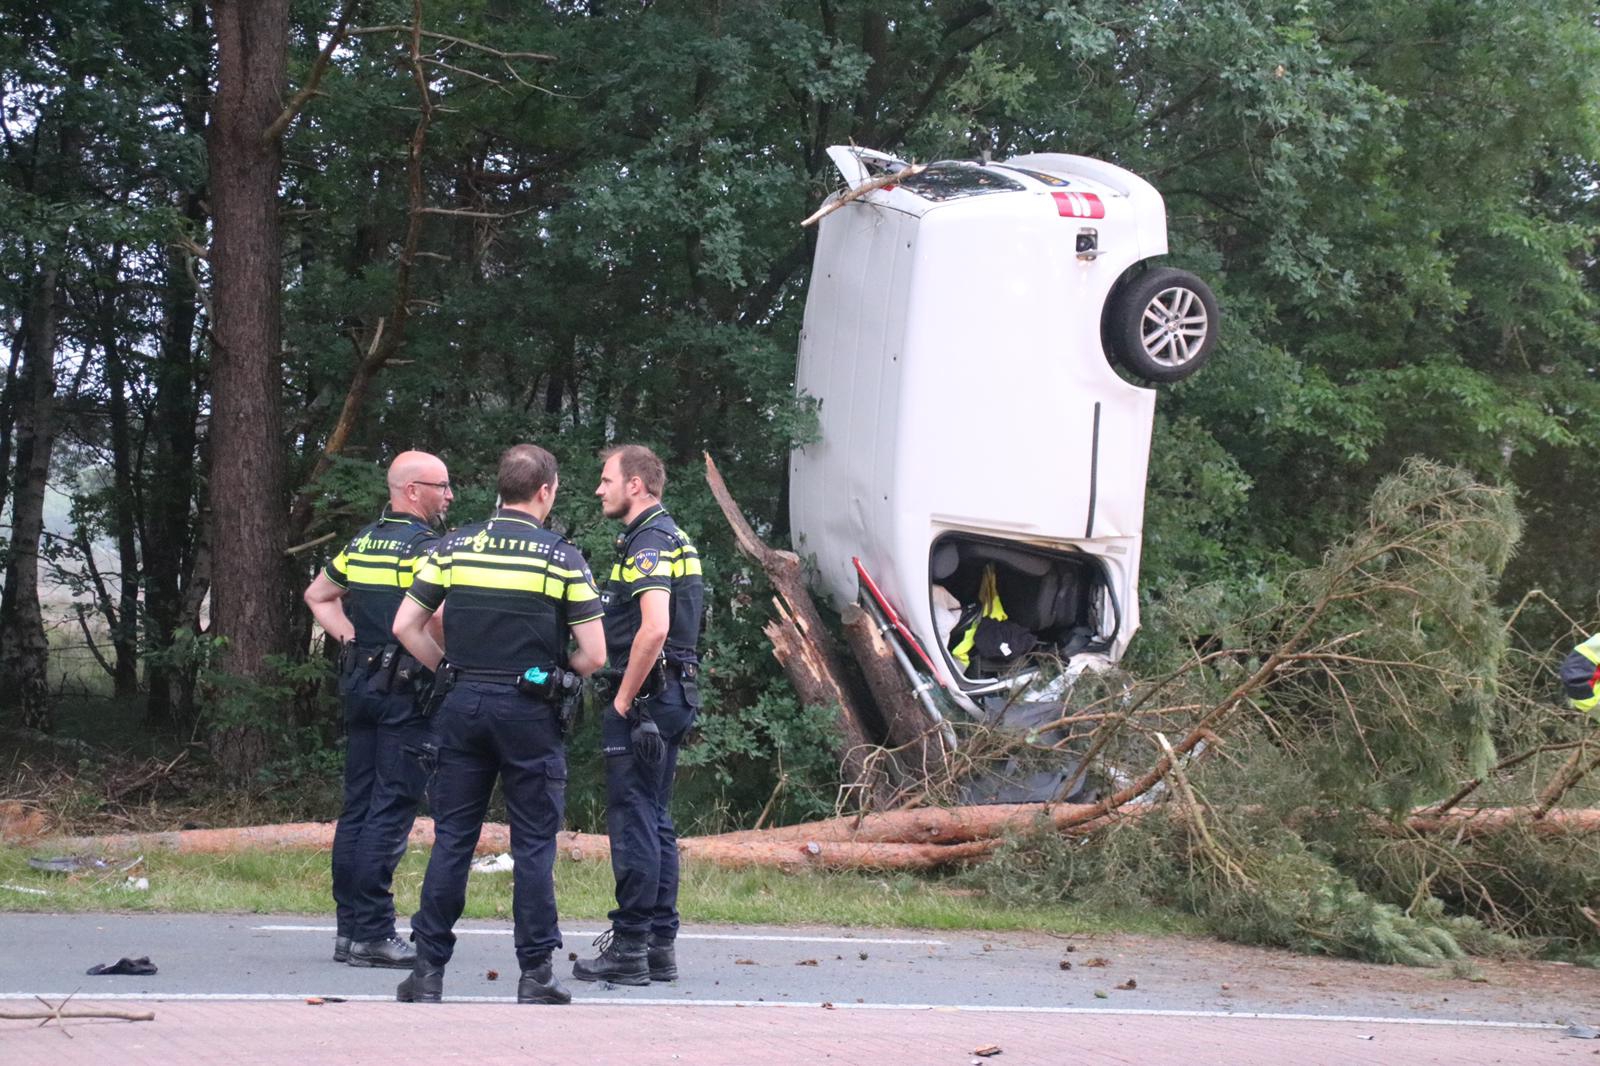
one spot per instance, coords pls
(1162, 324)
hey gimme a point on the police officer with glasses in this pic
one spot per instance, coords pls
(354, 598)
(516, 591)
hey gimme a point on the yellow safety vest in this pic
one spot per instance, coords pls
(989, 603)
(1589, 649)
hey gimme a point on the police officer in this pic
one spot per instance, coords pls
(652, 619)
(515, 591)
(1580, 674)
(354, 599)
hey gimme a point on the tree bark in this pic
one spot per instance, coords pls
(168, 539)
(900, 840)
(800, 643)
(249, 594)
(916, 739)
(122, 616)
(24, 647)
(8, 412)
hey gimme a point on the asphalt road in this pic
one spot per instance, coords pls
(249, 989)
(265, 957)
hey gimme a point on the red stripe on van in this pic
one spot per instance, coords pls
(1079, 205)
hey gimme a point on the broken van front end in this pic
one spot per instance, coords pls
(980, 471)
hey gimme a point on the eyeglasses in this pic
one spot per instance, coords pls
(444, 485)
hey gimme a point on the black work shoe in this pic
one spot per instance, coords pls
(424, 985)
(341, 949)
(621, 960)
(662, 956)
(539, 985)
(391, 953)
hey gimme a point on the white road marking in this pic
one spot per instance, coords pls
(959, 1008)
(681, 936)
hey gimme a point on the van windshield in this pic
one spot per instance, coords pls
(952, 181)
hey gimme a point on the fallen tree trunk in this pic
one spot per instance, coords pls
(907, 840)
(303, 836)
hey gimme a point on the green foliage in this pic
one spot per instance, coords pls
(752, 747)
(1395, 203)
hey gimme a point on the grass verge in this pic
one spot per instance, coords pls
(298, 883)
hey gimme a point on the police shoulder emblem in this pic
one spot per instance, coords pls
(481, 541)
(646, 559)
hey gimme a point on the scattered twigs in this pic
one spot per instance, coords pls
(1231, 871)
(882, 181)
(308, 545)
(777, 790)
(57, 1012)
(1504, 764)
(360, 31)
(1578, 765)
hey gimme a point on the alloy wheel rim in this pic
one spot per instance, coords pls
(1173, 326)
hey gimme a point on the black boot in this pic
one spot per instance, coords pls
(539, 985)
(662, 955)
(621, 960)
(425, 985)
(341, 949)
(391, 953)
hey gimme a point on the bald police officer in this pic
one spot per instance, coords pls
(354, 599)
(515, 591)
(652, 614)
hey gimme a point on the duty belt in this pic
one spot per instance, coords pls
(486, 677)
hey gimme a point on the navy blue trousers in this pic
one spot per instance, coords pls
(487, 732)
(644, 843)
(384, 780)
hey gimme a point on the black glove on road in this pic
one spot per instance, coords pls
(648, 747)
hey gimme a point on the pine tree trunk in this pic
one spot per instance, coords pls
(169, 537)
(249, 598)
(24, 648)
(123, 615)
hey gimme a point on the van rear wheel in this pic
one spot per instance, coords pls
(1162, 325)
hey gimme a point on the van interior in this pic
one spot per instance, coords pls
(999, 606)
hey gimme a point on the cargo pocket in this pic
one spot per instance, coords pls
(555, 786)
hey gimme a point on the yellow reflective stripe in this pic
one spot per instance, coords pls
(1586, 705)
(581, 592)
(434, 573)
(374, 557)
(686, 567)
(1590, 649)
(465, 575)
(962, 652)
(340, 563)
(375, 575)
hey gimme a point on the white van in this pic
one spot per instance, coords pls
(979, 454)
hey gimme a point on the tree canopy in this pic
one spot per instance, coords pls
(577, 223)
